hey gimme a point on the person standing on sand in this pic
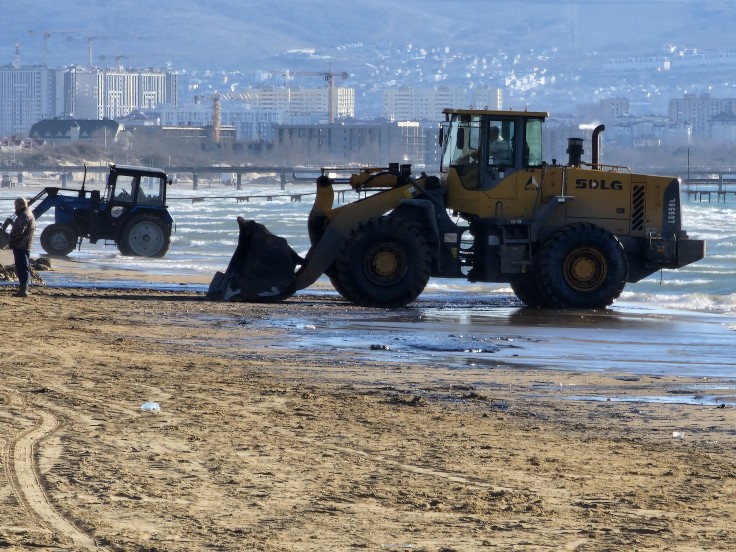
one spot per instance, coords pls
(20, 238)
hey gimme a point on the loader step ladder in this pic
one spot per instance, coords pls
(516, 245)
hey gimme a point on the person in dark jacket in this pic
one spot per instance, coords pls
(20, 239)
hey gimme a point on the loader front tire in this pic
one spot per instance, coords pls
(526, 289)
(385, 263)
(145, 236)
(582, 266)
(58, 239)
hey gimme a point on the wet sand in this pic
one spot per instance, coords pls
(315, 425)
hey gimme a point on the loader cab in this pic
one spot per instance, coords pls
(480, 148)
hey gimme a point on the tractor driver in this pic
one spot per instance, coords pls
(124, 194)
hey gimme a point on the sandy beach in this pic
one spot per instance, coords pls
(141, 419)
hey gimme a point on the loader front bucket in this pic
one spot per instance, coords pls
(261, 269)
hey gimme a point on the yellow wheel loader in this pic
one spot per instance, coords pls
(563, 235)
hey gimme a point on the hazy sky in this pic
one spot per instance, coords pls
(230, 33)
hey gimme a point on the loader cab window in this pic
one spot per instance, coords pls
(500, 148)
(461, 149)
(533, 144)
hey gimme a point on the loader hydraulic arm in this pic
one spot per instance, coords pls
(381, 178)
(343, 220)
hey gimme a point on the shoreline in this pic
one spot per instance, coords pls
(682, 343)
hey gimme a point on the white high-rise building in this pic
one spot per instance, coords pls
(112, 93)
(412, 104)
(303, 101)
(27, 95)
(484, 97)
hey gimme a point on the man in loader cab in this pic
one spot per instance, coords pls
(499, 151)
(20, 238)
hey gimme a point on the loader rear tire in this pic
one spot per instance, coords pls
(385, 263)
(145, 236)
(582, 266)
(58, 239)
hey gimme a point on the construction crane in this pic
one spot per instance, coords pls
(216, 117)
(46, 35)
(329, 77)
(216, 98)
(90, 42)
(216, 113)
(90, 39)
(118, 57)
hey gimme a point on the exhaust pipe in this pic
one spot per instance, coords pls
(597, 146)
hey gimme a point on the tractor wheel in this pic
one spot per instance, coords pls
(58, 239)
(526, 289)
(145, 236)
(582, 266)
(385, 263)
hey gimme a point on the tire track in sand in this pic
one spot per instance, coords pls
(25, 478)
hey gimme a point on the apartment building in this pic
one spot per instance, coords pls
(27, 94)
(111, 93)
(700, 111)
(406, 103)
(312, 102)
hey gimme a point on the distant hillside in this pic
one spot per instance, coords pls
(237, 34)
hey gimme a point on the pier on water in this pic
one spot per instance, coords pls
(702, 185)
(709, 185)
(198, 176)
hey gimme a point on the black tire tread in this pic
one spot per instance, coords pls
(351, 286)
(526, 289)
(551, 283)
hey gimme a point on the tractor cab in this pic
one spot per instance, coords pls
(129, 186)
(131, 193)
(482, 147)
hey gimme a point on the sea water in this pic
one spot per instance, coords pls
(206, 234)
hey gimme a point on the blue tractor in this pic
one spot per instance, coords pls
(132, 214)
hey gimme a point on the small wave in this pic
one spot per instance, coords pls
(701, 302)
